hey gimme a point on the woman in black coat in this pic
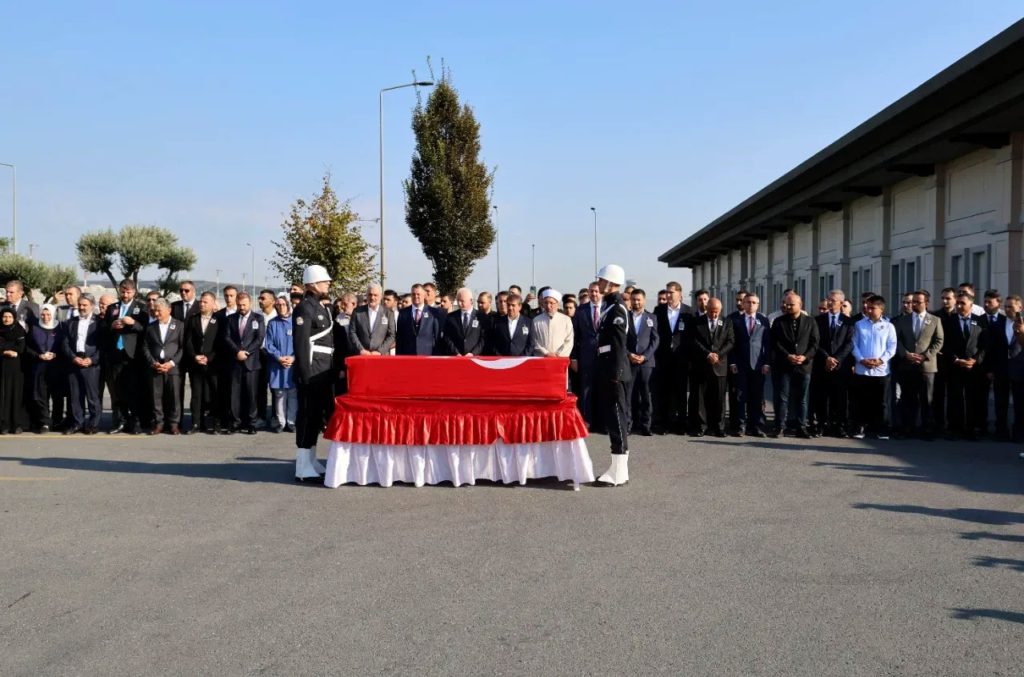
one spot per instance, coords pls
(46, 370)
(12, 345)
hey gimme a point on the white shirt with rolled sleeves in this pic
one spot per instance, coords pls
(873, 340)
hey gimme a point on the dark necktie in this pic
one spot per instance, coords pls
(967, 330)
(465, 322)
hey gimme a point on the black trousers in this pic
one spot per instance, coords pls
(263, 387)
(939, 390)
(611, 401)
(585, 403)
(916, 400)
(49, 384)
(638, 396)
(870, 401)
(962, 400)
(166, 398)
(1000, 387)
(829, 398)
(125, 378)
(204, 396)
(243, 396)
(1017, 389)
(84, 389)
(707, 401)
(670, 394)
(749, 410)
(316, 405)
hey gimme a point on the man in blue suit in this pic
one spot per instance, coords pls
(642, 343)
(510, 335)
(749, 363)
(583, 359)
(418, 327)
(82, 350)
(243, 338)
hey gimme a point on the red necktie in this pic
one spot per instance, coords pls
(597, 315)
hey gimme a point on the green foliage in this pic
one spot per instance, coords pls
(447, 194)
(45, 277)
(131, 250)
(323, 232)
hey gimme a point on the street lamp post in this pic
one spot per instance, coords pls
(252, 268)
(533, 266)
(380, 121)
(216, 284)
(593, 209)
(14, 206)
(497, 247)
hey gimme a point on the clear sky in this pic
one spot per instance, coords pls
(211, 118)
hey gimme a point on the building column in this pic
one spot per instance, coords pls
(844, 256)
(892, 296)
(816, 293)
(938, 242)
(744, 281)
(1015, 276)
(790, 246)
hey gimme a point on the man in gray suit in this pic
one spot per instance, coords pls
(642, 344)
(919, 338)
(162, 351)
(372, 329)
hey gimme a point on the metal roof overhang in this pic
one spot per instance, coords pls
(976, 102)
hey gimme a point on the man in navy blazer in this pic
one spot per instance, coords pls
(583, 359)
(642, 344)
(464, 329)
(81, 347)
(243, 338)
(749, 362)
(418, 327)
(833, 366)
(510, 335)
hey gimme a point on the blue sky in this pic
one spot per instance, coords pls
(211, 118)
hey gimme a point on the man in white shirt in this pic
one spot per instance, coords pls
(81, 347)
(552, 334)
(874, 345)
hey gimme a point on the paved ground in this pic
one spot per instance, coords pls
(199, 555)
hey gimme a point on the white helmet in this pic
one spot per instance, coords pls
(613, 273)
(314, 274)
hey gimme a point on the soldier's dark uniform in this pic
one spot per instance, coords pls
(314, 377)
(613, 371)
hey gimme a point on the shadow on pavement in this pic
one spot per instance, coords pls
(275, 472)
(979, 535)
(980, 516)
(971, 614)
(999, 562)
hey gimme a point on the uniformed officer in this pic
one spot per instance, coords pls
(613, 372)
(314, 345)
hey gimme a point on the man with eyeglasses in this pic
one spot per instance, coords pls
(181, 310)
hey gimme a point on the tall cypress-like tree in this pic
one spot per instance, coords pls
(447, 195)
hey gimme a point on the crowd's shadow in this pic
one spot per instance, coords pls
(998, 614)
(977, 515)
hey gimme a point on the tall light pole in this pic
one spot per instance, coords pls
(14, 206)
(253, 268)
(216, 284)
(594, 209)
(533, 266)
(380, 113)
(497, 247)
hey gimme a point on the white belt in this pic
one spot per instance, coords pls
(313, 348)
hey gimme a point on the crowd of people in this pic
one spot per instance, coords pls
(915, 370)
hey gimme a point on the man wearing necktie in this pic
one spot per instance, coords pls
(997, 351)
(418, 328)
(830, 377)
(583, 359)
(463, 332)
(125, 323)
(963, 352)
(712, 342)
(919, 338)
(749, 362)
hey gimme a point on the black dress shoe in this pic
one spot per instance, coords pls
(803, 434)
(90, 431)
(717, 433)
(697, 433)
(251, 430)
(226, 431)
(72, 430)
(755, 433)
(43, 429)
(774, 433)
(289, 428)
(119, 428)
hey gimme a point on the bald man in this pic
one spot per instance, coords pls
(794, 343)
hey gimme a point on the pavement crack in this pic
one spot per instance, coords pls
(19, 599)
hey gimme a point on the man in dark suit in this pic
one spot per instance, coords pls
(947, 309)
(919, 339)
(372, 328)
(345, 306)
(830, 375)
(243, 339)
(464, 330)
(511, 334)
(82, 349)
(201, 332)
(794, 339)
(188, 305)
(583, 359)
(418, 327)
(642, 344)
(713, 339)
(25, 310)
(749, 362)
(963, 351)
(162, 351)
(671, 376)
(998, 335)
(125, 323)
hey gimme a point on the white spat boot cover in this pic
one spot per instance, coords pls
(618, 472)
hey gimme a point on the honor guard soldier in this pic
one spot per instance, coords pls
(314, 377)
(613, 372)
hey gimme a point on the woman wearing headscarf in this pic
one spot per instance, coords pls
(12, 345)
(46, 371)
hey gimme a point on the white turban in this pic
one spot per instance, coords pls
(551, 294)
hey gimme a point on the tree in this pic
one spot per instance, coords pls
(44, 277)
(447, 204)
(323, 232)
(131, 250)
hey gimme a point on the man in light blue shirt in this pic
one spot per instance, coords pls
(874, 344)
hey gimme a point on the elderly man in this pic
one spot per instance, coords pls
(201, 333)
(552, 330)
(81, 347)
(642, 344)
(612, 372)
(464, 330)
(162, 350)
(794, 338)
(371, 331)
(314, 345)
(713, 339)
(25, 310)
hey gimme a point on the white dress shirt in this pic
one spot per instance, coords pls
(673, 316)
(372, 314)
(873, 340)
(83, 333)
(163, 327)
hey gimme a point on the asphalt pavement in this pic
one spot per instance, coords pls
(200, 555)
